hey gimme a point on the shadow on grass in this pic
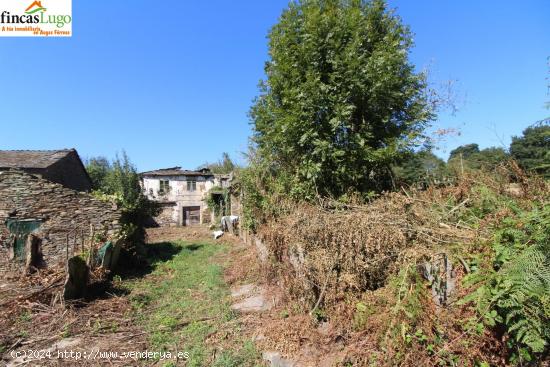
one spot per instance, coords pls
(193, 247)
(162, 251)
(157, 253)
(104, 290)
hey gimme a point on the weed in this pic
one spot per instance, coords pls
(362, 313)
(319, 315)
(25, 316)
(66, 331)
(23, 334)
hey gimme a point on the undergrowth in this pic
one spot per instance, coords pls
(513, 291)
(362, 266)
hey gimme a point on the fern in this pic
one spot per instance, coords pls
(517, 288)
(523, 294)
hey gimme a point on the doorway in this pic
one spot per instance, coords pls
(191, 215)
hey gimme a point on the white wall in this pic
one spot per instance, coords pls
(178, 192)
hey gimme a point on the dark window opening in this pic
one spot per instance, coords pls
(164, 187)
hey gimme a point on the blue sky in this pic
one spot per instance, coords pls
(172, 85)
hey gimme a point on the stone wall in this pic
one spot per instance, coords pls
(166, 215)
(61, 212)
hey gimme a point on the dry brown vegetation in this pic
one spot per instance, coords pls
(350, 276)
(34, 317)
(354, 249)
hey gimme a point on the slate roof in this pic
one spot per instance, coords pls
(31, 158)
(176, 171)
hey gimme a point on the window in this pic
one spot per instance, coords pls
(191, 185)
(164, 187)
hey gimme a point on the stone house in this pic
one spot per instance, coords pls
(182, 194)
(43, 223)
(60, 166)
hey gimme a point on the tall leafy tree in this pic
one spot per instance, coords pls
(341, 100)
(532, 149)
(421, 167)
(491, 157)
(98, 168)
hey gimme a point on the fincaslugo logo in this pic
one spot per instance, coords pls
(40, 18)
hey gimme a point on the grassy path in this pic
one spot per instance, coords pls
(184, 305)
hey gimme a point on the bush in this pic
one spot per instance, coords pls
(219, 200)
(119, 182)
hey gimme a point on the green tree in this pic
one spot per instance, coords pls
(224, 165)
(98, 168)
(532, 150)
(341, 101)
(491, 157)
(118, 180)
(470, 157)
(118, 177)
(464, 151)
(421, 167)
(123, 180)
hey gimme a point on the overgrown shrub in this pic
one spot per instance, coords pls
(118, 182)
(326, 252)
(219, 201)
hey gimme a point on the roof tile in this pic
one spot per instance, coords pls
(31, 158)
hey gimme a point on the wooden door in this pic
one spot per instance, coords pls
(191, 215)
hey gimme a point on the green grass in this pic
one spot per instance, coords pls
(184, 301)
